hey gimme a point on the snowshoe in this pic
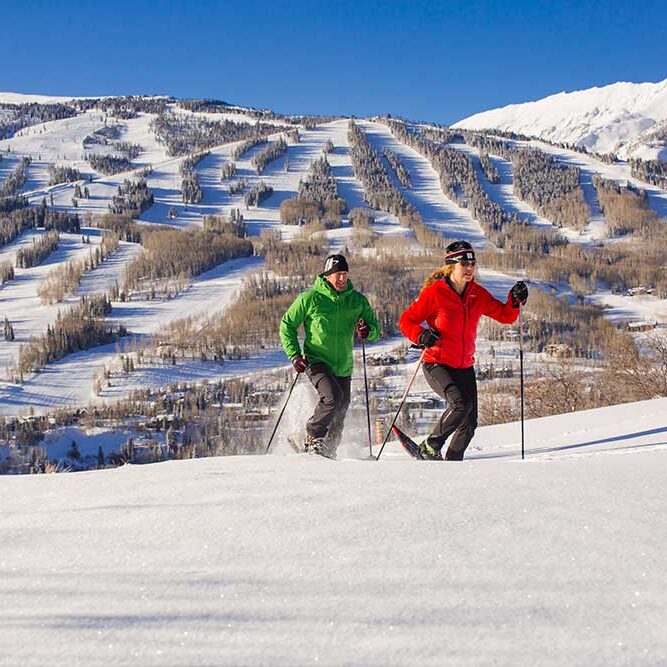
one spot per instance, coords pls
(295, 445)
(409, 445)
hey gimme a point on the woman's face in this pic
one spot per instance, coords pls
(464, 271)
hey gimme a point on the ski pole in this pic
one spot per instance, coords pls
(368, 407)
(521, 375)
(280, 416)
(405, 395)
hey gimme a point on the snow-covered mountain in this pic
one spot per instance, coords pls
(29, 98)
(626, 118)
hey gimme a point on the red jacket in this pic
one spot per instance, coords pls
(455, 318)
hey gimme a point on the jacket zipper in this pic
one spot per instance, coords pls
(463, 331)
(463, 297)
(337, 333)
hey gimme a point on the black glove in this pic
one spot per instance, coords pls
(363, 330)
(300, 364)
(428, 337)
(519, 294)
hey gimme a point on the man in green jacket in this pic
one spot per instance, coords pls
(331, 312)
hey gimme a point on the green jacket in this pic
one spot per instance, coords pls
(329, 319)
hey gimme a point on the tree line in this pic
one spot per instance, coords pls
(228, 171)
(125, 107)
(626, 210)
(78, 327)
(234, 225)
(488, 168)
(175, 254)
(109, 164)
(183, 134)
(651, 171)
(16, 179)
(257, 194)
(458, 178)
(380, 193)
(272, 152)
(36, 217)
(191, 191)
(240, 150)
(318, 198)
(398, 167)
(62, 174)
(19, 116)
(6, 272)
(38, 251)
(132, 198)
(65, 278)
(551, 188)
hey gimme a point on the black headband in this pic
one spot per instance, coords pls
(458, 255)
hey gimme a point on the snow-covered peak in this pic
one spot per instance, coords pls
(604, 119)
(25, 98)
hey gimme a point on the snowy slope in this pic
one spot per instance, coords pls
(19, 297)
(287, 560)
(604, 119)
(27, 98)
(437, 210)
(69, 382)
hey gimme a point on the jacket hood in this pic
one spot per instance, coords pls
(323, 286)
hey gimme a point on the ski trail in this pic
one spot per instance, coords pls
(620, 173)
(503, 195)
(437, 211)
(23, 240)
(22, 305)
(69, 381)
(110, 272)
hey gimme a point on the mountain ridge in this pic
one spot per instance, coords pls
(603, 119)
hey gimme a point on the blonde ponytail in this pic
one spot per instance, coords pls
(444, 271)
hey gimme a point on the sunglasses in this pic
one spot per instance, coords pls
(467, 262)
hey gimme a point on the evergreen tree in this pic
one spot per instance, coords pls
(9, 330)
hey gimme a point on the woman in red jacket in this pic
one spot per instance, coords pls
(451, 303)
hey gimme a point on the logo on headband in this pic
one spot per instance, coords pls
(460, 255)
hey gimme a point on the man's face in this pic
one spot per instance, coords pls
(337, 280)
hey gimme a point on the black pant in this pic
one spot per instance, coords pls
(458, 386)
(329, 415)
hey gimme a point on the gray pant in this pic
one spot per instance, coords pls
(329, 415)
(458, 386)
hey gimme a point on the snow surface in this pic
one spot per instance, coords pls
(603, 119)
(297, 560)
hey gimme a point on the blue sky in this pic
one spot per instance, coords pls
(437, 61)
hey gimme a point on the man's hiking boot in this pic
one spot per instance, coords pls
(429, 453)
(318, 446)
